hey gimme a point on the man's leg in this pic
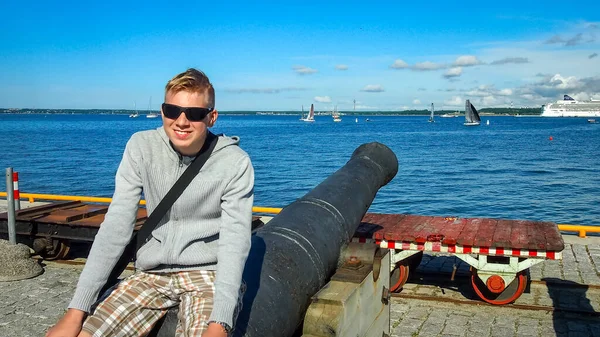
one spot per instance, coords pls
(197, 291)
(133, 308)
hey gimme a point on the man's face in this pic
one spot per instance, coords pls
(187, 137)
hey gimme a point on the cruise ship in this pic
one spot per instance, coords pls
(568, 107)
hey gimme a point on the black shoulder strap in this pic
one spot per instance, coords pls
(144, 233)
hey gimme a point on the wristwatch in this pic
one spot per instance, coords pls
(225, 326)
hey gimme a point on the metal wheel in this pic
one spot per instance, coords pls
(398, 277)
(59, 250)
(403, 269)
(495, 292)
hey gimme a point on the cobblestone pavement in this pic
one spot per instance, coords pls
(30, 307)
(414, 317)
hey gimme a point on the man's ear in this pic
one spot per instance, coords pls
(212, 119)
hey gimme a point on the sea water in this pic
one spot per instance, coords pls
(516, 168)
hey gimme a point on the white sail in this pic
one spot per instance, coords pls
(311, 115)
(336, 115)
(135, 114)
(151, 114)
(431, 116)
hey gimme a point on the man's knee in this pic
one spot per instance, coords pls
(84, 334)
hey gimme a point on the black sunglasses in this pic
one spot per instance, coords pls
(193, 114)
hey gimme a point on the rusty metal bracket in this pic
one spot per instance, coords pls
(386, 294)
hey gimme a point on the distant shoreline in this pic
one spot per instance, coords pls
(482, 112)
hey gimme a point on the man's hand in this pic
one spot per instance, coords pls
(69, 325)
(215, 330)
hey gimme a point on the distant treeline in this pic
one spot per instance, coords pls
(494, 111)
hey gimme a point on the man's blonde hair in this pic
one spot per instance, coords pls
(192, 80)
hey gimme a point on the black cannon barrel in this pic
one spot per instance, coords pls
(296, 253)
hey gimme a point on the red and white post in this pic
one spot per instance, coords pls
(10, 205)
(16, 195)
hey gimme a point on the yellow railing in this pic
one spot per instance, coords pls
(581, 230)
(33, 196)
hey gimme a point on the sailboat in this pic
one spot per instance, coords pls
(335, 115)
(135, 114)
(151, 114)
(431, 116)
(471, 115)
(311, 115)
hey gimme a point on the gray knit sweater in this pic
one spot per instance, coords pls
(207, 228)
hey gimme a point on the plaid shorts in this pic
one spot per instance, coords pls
(140, 300)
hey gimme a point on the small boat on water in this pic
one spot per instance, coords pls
(336, 115)
(311, 115)
(592, 121)
(151, 114)
(135, 114)
(431, 116)
(471, 115)
(452, 115)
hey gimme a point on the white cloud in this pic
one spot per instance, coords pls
(489, 101)
(546, 88)
(263, 90)
(554, 39)
(466, 61)
(303, 70)
(505, 92)
(575, 40)
(322, 99)
(453, 72)
(565, 83)
(341, 67)
(454, 101)
(417, 101)
(510, 60)
(427, 66)
(373, 88)
(399, 64)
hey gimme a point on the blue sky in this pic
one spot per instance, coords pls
(270, 57)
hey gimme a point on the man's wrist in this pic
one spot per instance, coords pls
(226, 328)
(76, 314)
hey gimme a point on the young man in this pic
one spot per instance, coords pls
(196, 256)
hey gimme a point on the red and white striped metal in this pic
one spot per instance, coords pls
(457, 249)
(16, 185)
(16, 194)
